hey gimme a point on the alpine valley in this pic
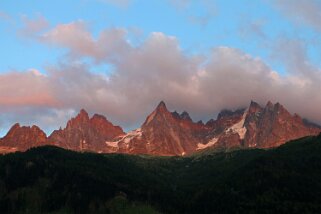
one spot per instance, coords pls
(166, 133)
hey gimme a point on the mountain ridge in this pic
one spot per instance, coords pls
(167, 133)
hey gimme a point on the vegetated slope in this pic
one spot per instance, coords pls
(49, 179)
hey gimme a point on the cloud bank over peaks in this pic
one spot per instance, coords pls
(156, 69)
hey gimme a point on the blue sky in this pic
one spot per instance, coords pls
(282, 35)
(229, 23)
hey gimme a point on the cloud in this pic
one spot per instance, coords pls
(28, 88)
(31, 27)
(293, 54)
(156, 69)
(234, 77)
(302, 11)
(252, 29)
(77, 39)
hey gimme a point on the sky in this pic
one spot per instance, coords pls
(120, 58)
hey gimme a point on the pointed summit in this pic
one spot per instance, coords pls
(81, 118)
(161, 106)
(15, 126)
(176, 115)
(278, 106)
(160, 111)
(83, 112)
(254, 107)
(82, 115)
(185, 116)
(14, 129)
(269, 105)
(253, 103)
(200, 122)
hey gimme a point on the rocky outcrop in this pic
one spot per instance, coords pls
(21, 138)
(86, 134)
(274, 125)
(164, 133)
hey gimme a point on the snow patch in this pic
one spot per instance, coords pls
(130, 135)
(252, 145)
(209, 144)
(126, 138)
(239, 127)
(112, 144)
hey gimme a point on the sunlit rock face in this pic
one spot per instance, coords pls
(169, 133)
(86, 134)
(21, 138)
(166, 133)
(273, 125)
(258, 127)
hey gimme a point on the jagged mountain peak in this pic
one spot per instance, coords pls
(18, 127)
(83, 115)
(158, 114)
(98, 117)
(200, 122)
(24, 137)
(161, 106)
(182, 116)
(185, 116)
(229, 113)
(15, 126)
(279, 107)
(170, 133)
(210, 122)
(176, 114)
(269, 105)
(81, 118)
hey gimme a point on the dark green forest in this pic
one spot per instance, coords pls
(53, 180)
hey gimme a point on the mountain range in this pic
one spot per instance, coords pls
(168, 133)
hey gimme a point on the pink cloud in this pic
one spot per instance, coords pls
(33, 27)
(25, 89)
(76, 37)
(157, 69)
